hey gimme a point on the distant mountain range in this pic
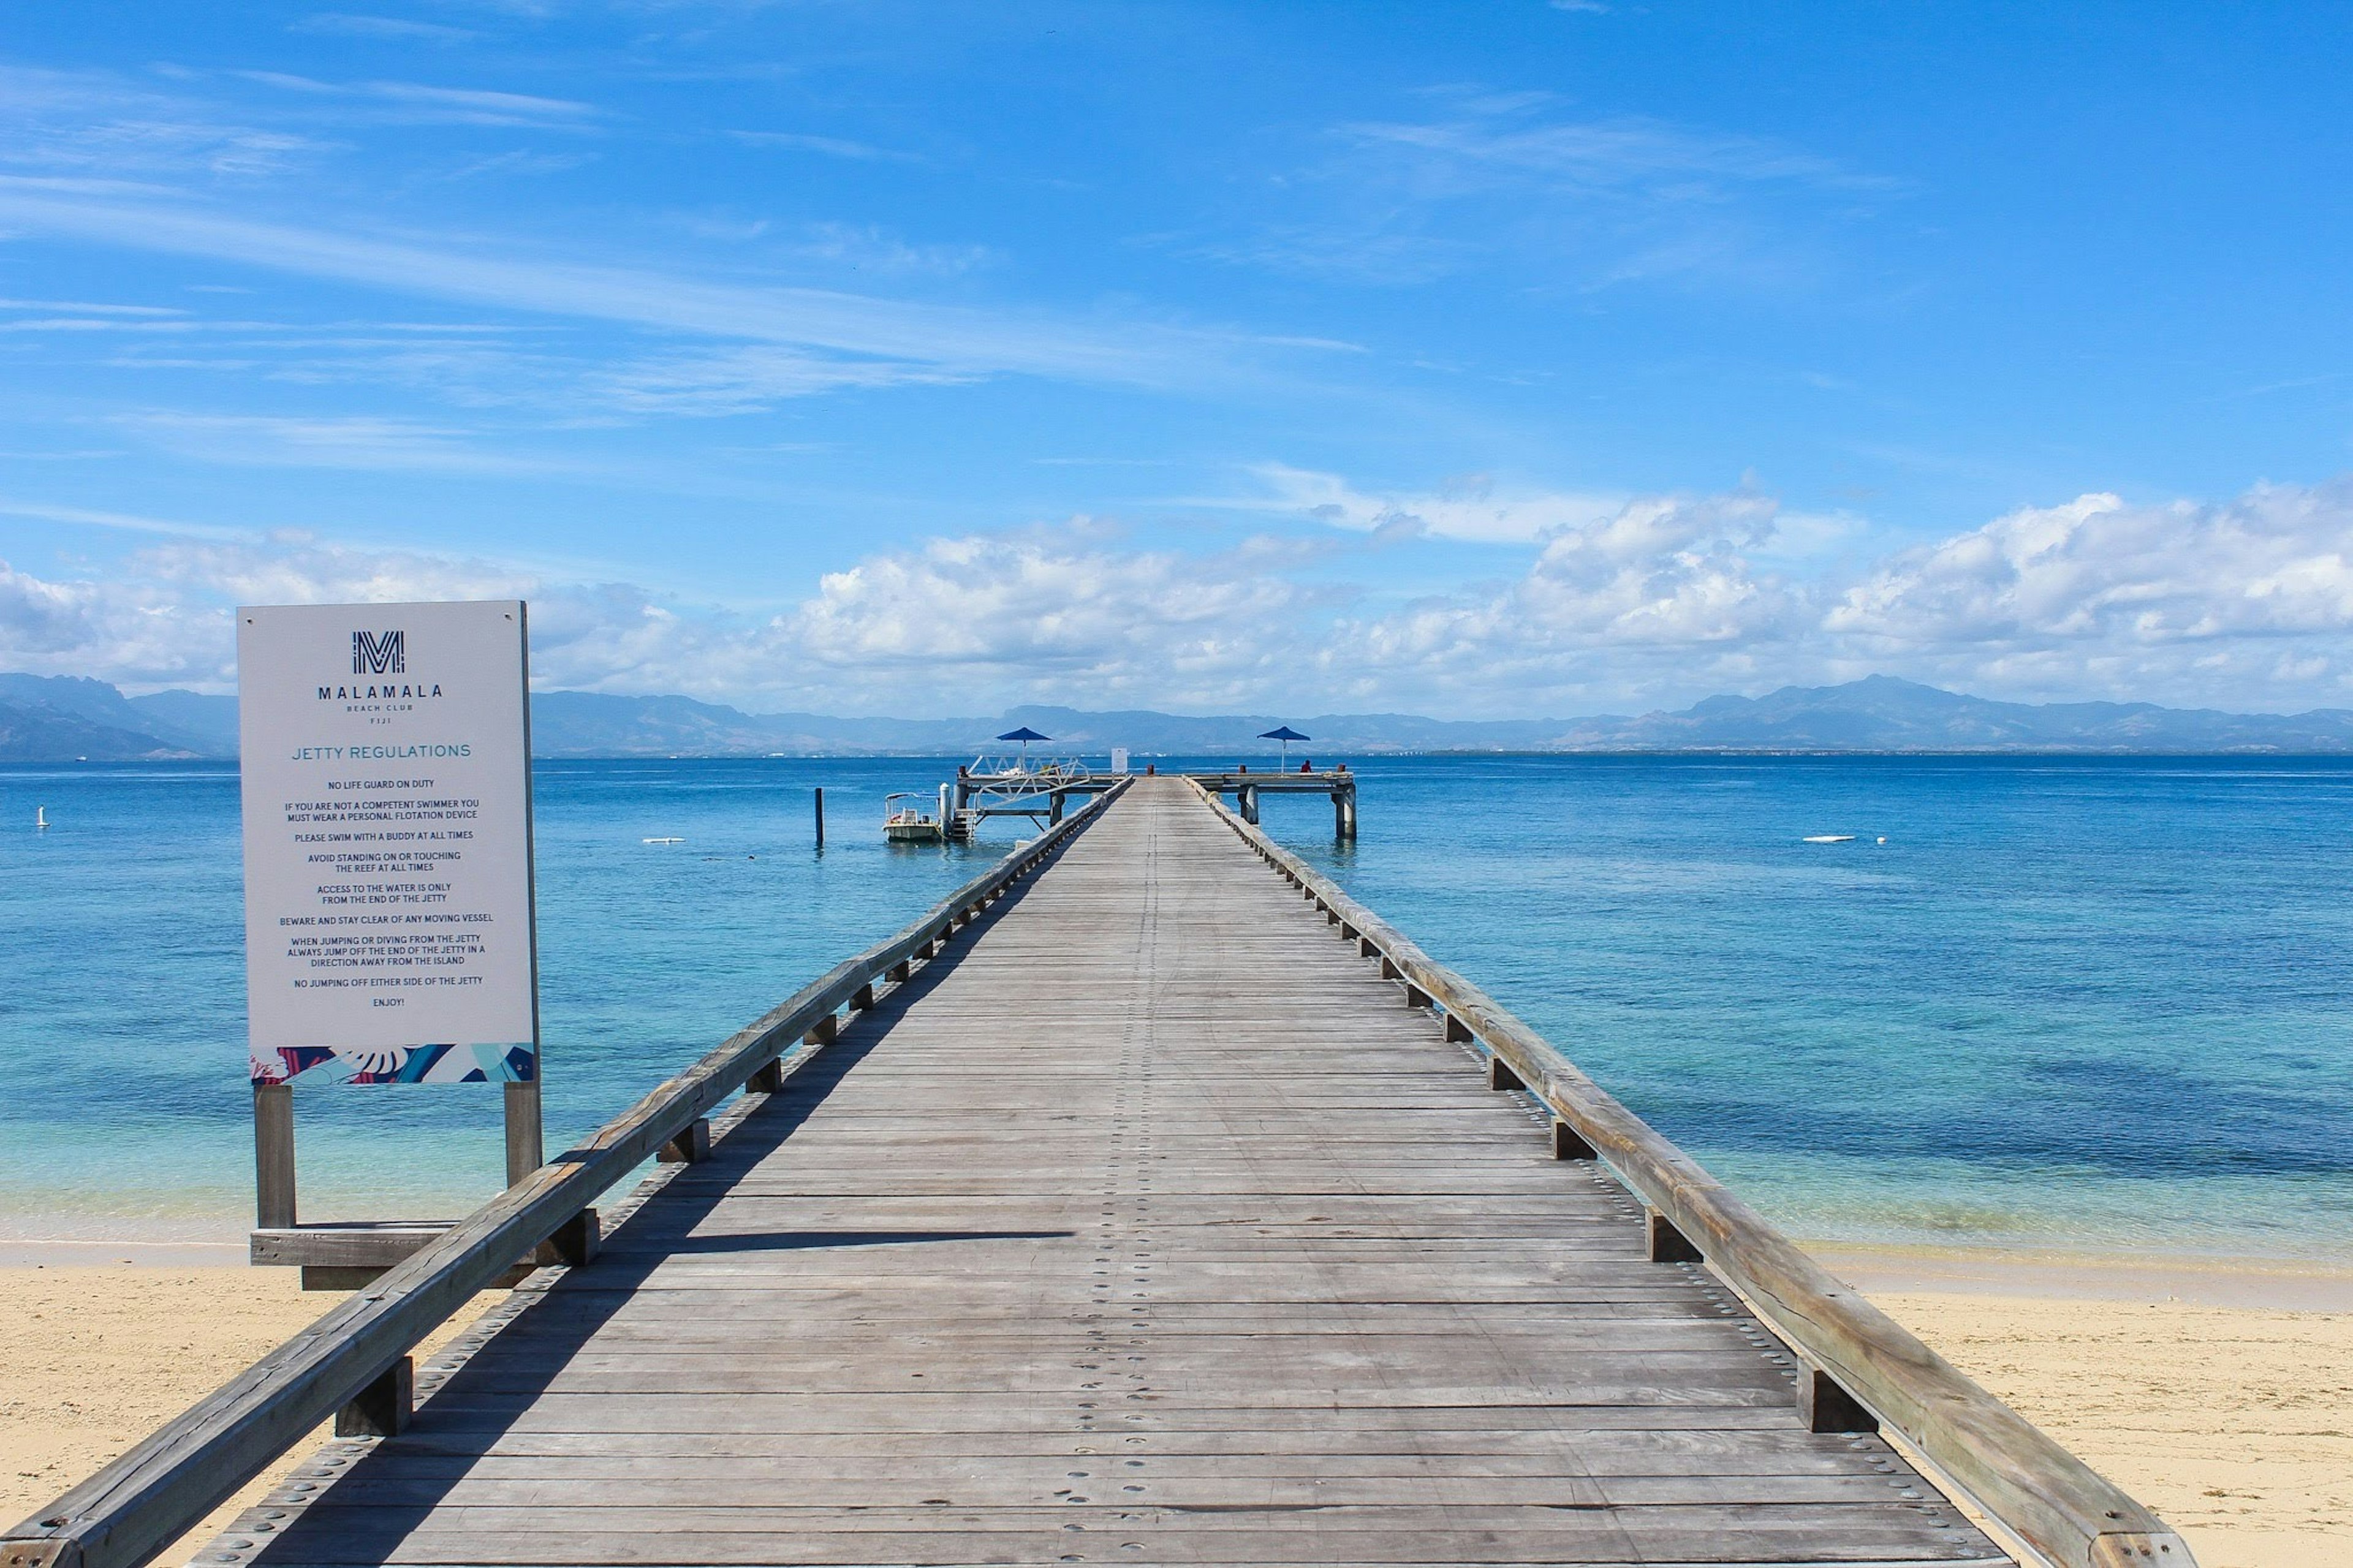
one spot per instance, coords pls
(63, 718)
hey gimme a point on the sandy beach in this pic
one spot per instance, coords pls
(2233, 1418)
(98, 1354)
(2222, 1396)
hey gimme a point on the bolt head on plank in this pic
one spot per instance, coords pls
(2140, 1551)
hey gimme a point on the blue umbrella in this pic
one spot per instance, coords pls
(1025, 735)
(1285, 735)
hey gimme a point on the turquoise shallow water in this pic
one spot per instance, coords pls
(2068, 1004)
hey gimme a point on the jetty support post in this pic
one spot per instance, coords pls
(1247, 797)
(525, 1150)
(1344, 811)
(1054, 811)
(273, 1156)
(820, 816)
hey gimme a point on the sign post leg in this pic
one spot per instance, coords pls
(525, 1154)
(273, 1156)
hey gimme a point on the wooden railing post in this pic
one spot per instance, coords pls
(1569, 1143)
(1667, 1244)
(382, 1409)
(692, 1146)
(1827, 1407)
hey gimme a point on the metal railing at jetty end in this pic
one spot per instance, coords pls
(144, 1500)
(1860, 1365)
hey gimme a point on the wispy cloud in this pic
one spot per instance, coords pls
(132, 522)
(452, 105)
(829, 146)
(322, 443)
(87, 307)
(960, 340)
(1464, 154)
(91, 123)
(400, 28)
(1471, 507)
(1507, 182)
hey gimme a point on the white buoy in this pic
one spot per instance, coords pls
(41, 817)
(1882, 838)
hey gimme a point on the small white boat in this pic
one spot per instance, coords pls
(1829, 838)
(907, 824)
(662, 841)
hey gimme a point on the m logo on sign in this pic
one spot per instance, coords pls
(384, 655)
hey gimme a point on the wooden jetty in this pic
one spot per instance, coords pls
(1148, 1202)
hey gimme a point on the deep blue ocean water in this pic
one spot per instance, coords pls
(2067, 1003)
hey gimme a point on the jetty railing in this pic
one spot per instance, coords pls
(1862, 1370)
(355, 1357)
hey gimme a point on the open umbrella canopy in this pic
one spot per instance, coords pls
(1024, 734)
(1286, 733)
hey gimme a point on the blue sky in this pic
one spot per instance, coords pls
(1478, 359)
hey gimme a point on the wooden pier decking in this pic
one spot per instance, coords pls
(1149, 1227)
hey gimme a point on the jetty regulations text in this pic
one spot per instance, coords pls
(386, 765)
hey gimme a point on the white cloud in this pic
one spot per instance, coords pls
(2246, 604)
(1055, 610)
(2204, 599)
(1650, 597)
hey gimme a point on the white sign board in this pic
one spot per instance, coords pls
(385, 761)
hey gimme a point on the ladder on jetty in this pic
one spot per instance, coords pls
(1150, 1201)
